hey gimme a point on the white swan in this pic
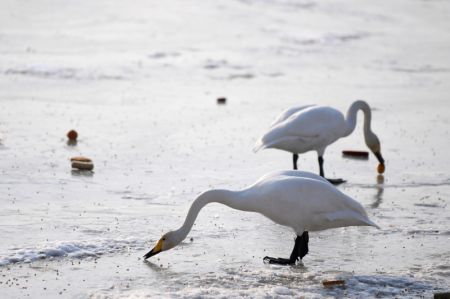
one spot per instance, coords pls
(300, 200)
(305, 128)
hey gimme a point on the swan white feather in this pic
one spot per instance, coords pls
(288, 112)
(300, 200)
(313, 128)
(304, 202)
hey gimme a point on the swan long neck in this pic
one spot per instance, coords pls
(351, 117)
(226, 197)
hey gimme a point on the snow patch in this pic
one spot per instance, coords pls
(70, 249)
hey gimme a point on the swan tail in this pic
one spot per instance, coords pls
(350, 218)
(259, 145)
(371, 223)
(366, 220)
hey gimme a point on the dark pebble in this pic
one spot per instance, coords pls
(221, 100)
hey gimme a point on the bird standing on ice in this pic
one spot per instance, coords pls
(306, 128)
(300, 200)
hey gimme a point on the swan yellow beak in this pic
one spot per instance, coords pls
(157, 249)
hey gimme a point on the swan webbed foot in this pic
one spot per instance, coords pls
(278, 261)
(336, 181)
(299, 252)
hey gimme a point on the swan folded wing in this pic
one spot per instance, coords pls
(349, 218)
(297, 128)
(267, 143)
(295, 174)
(287, 113)
(317, 120)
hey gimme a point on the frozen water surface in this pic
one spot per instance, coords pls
(139, 81)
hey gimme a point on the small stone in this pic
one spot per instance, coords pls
(332, 283)
(361, 154)
(80, 159)
(72, 135)
(82, 165)
(221, 101)
(380, 168)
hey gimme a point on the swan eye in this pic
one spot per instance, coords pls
(163, 239)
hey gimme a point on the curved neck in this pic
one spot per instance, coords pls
(226, 197)
(351, 117)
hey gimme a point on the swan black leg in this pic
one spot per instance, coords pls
(299, 251)
(294, 159)
(303, 245)
(322, 174)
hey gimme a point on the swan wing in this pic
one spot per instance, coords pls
(276, 137)
(287, 113)
(305, 204)
(310, 128)
(316, 120)
(294, 173)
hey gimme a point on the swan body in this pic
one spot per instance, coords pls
(312, 128)
(300, 200)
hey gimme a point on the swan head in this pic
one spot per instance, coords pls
(167, 241)
(373, 143)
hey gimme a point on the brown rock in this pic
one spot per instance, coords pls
(221, 101)
(332, 283)
(82, 165)
(80, 159)
(380, 168)
(72, 135)
(362, 154)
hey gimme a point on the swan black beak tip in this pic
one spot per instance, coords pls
(148, 255)
(379, 157)
(151, 253)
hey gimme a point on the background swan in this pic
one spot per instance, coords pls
(300, 200)
(306, 128)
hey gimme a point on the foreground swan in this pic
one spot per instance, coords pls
(306, 128)
(300, 200)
